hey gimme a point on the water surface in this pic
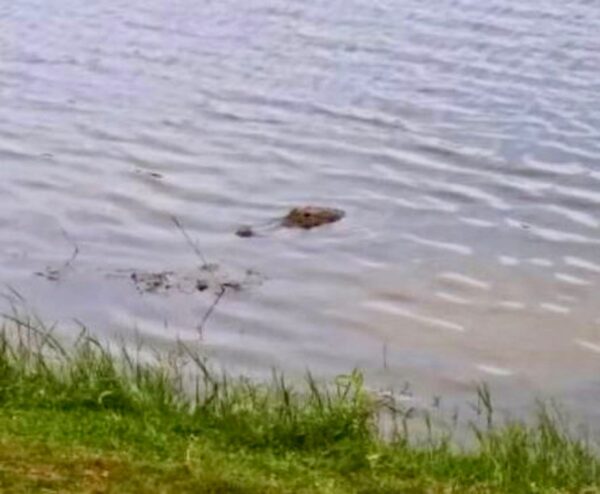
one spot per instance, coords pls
(461, 137)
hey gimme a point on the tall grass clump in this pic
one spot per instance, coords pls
(539, 457)
(36, 369)
(275, 436)
(542, 454)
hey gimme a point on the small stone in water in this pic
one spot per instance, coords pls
(245, 231)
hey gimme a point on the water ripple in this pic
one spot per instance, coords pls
(461, 138)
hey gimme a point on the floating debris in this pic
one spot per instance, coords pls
(51, 274)
(153, 282)
(201, 285)
(148, 173)
(245, 231)
(192, 281)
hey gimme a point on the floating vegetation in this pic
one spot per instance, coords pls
(191, 281)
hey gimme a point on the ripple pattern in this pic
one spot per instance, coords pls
(461, 137)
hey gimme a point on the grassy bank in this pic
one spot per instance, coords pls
(86, 420)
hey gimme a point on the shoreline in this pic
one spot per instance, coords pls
(83, 419)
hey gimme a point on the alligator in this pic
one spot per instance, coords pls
(304, 217)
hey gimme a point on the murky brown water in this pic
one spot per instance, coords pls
(462, 138)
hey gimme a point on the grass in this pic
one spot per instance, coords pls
(82, 419)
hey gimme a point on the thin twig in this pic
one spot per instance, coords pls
(75, 253)
(211, 309)
(55, 274)
(385, 359)
(189, 240)
(14, 292)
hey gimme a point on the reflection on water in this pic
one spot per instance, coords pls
(461, 138)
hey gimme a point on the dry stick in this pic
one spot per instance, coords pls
(385, 360)
(71, 259)
(56, 274)
(189, 240)
(222, 286)
(211, 309)
(75, 253)
(222, 289)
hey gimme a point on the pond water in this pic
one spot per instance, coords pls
(462, 139)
